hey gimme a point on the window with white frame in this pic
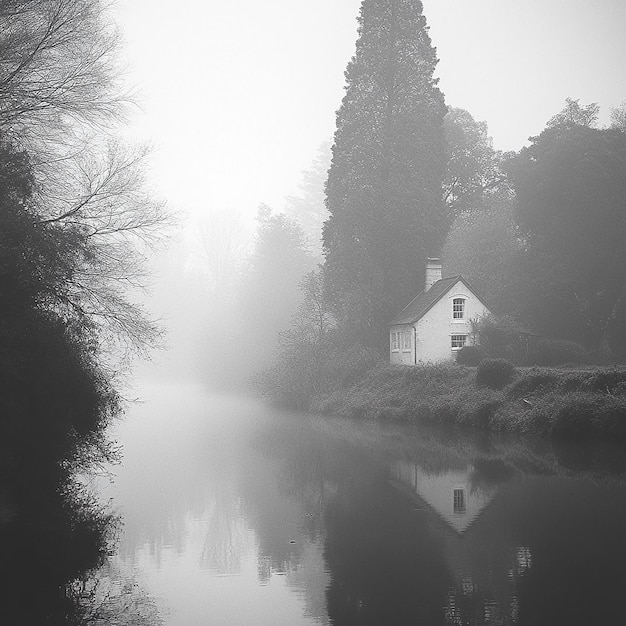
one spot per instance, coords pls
(458, 308)
(400, 340)
(395, 344)
(458, 341)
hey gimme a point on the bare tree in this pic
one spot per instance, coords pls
(57, 68)
(222, 247)
(62, 102)
(618, 117)
(103, 198)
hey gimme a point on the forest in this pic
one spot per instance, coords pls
(539, 232)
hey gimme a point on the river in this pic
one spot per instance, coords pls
(235, 513)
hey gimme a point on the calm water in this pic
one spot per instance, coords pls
(237, 514)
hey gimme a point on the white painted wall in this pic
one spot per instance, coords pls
(431, 338)
(435, 329)
(438, 491)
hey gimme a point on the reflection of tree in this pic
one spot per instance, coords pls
(544, 551)
(363, 552)
(226, 538)
(112, 597)
(340, 497)
(286, 490)
(52, 547)
(386, 565)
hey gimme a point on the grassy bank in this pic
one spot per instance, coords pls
(549, 402)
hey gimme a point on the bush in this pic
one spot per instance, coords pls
(500, 337)
(470, 355)
(534, 381)
(572, 417)
(479, 408)
(495, 373)
(606, 381)
(559, 352)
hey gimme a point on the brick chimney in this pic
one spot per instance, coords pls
(433, 272)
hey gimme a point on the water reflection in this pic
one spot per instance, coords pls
(54, 539)
(235, 514)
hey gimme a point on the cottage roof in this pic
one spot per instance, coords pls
(424, 300)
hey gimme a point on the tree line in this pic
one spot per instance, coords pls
(539, 232)
(76, 225)
(76, 217)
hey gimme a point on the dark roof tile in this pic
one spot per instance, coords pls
(424, 301)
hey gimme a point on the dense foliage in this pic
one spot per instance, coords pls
(53, 393)
(538, 402)
(494, 373)
(558, 352)
(484, 246)
(470, 355)
(75, 220)
(384, 185)
(473, 170)
(571, 200)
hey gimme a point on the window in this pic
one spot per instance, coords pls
(401, 340)
(458, 308)
(458, 341)
(406, 342)
(459, 500)
(395, 341)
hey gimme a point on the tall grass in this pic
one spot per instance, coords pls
(548, 402)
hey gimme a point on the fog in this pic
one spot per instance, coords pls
(224, 289)
(218, 209)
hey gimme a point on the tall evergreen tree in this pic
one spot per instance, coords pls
(384, 186)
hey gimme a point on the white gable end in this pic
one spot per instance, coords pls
(441, 331)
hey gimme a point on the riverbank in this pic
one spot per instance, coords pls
(549, 402)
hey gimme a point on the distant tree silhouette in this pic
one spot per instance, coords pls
(270, 292)
(308, 208)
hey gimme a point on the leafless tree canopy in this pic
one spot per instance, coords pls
(61, 101)
(57, 67)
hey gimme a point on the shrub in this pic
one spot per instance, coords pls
(534, 381)
(559, 352)
(610, 419)
(495, 373)
(573, 416)
(620, 389)
(499, 337)
(349, 367)
(479, 408)
(605, 381)
(470, 355)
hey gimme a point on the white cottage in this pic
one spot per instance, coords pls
(437, 323)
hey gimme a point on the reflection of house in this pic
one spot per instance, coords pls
(437, 323)
(481, 554)
(449, 494)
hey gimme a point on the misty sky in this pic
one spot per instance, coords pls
(238, 95)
